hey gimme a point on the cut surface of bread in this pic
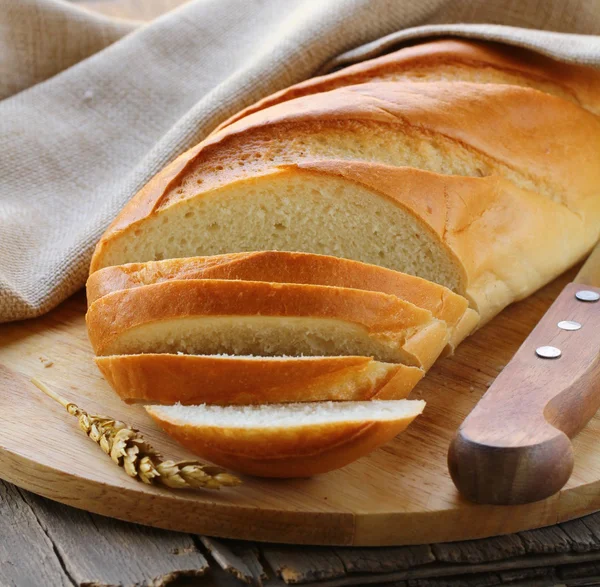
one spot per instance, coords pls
(535, 142)
(294, 267)
(227, 380)
(290, 440)
(257, 318)
(455, 60)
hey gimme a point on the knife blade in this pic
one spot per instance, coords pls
(515, 447)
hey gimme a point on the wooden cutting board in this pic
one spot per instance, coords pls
(400, 494)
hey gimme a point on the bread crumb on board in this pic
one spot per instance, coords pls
(45, 361)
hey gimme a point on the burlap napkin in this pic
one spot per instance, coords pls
(93, 107)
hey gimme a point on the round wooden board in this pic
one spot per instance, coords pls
(400, 494)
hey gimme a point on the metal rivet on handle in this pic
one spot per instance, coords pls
(585, 295)
(548, 352)
(569, 325)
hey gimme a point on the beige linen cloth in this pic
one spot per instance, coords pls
(91, 108)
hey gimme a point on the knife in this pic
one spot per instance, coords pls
(514, 447)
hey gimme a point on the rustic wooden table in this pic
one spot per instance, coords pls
(46, 543)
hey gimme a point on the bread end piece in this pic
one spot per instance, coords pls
(286, 441)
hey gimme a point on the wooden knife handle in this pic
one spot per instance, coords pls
(514, 447)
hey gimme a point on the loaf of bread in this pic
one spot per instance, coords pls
(506, 154)
(455, 60)
(302, 268)
(264, 319)
(236, 380)
(292, 440)
(471, 167)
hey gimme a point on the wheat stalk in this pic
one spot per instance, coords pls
(128, 449)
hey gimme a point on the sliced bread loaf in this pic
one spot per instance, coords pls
(263, 319)
(455, 60)
(225, 380)
(292, 440)
(289, 267)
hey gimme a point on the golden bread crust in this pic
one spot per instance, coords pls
(301, 451)
(508, 242)
(577, 83)
(386, 318)
(218, 380)
(290, 267)
(548, 144)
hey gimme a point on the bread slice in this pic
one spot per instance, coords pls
(263, 319)
(291, 440)
(455, 60)
(535, 142)
(226, 380)
(290, 267)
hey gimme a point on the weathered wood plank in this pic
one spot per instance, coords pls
(27, 557)
(295, 565)
(593, 523)
(440, 570)
(217, 577)
(102, 551)
(479, 551)
(384, 560)
(250, 555)
(581, 537)
(525, 574)
(579, 570)
(246, 568)
(545, 540)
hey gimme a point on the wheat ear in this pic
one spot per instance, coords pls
(128, 449)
